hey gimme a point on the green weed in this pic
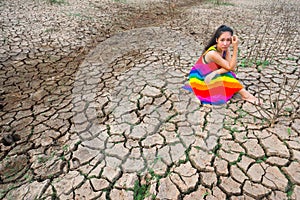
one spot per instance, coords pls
(216, 148)
(234, 130)
(238, 159)
(153, 175)
(245, 63)
(241, 113)
(289, 130)
(262, 159)
(62, 158)
(221, 3)
(41, 159)
(290, 187)
(197, 147)
(57, 2)
(65, 147)
(141, 191)
(205, 194)
(291, 58)
(50, 30)
(120, 1)
(263, 63)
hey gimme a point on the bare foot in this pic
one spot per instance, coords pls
(252, 99)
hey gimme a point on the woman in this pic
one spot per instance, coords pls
(211, 78)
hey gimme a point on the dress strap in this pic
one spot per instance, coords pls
(212, 48)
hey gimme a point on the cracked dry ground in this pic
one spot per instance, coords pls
(115, 123)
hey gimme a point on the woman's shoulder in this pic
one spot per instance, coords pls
(212, 48)
(215, 56)
(212, 51)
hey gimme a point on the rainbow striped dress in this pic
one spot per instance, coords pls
(219, 90)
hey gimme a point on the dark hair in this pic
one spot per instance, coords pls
(217, 34)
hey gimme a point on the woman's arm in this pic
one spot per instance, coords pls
(228, 58)
(211, 75)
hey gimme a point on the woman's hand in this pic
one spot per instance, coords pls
(209, 77)
(235, 41)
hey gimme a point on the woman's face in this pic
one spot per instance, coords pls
(224, 41)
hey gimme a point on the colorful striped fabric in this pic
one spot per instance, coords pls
(220, 89)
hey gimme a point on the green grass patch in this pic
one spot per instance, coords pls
(216, 148)
(141, 191)
(290, 187)
(234, 130)
(238, 159)
(289, 131)
(205, 194)
(242, 113)
(59, 2)
(262, 159)
(221, 3)
(291, 58)
(245, 63)
(153, 175)
(262, 63)
(197, 147)
(66, 147)
(50, 30)
(288, 109)
(120, 1)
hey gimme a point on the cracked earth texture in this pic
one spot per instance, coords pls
(92, 105)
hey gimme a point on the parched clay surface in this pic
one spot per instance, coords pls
(92, 106)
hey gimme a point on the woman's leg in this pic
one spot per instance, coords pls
(248, 96)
